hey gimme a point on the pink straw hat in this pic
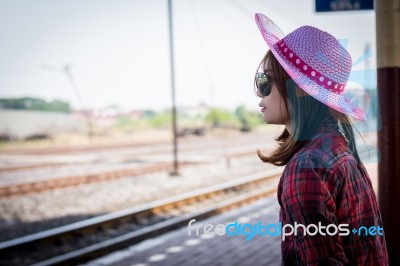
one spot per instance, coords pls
(315, 60)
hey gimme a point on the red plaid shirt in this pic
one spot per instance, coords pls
(324, 183)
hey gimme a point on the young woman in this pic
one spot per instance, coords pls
(301, 82)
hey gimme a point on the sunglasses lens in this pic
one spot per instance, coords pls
(263, 84)
(265, 88)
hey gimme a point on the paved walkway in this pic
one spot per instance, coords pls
(178, 248)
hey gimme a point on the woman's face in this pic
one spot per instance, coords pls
(273, 106)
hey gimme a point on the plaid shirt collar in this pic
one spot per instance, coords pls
(328, 125)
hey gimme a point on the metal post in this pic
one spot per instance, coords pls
(174, 127)
(67, 70)
(388, 63)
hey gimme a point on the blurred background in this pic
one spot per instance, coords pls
(85, 95)
(64, 63)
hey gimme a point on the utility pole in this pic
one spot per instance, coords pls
(175, 171)
(66, 69)
(388, 64)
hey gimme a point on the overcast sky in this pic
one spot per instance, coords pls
(119, 50)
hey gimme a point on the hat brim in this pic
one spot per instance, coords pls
(273, 34)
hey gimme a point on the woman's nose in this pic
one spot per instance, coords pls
(259, 94)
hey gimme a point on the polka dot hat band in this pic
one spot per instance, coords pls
(316, 61)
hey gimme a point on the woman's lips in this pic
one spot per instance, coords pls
(263, 109)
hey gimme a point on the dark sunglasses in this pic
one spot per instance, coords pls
(263, 83)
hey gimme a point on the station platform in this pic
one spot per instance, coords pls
(178, 248)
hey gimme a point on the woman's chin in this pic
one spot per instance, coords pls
(268, 120)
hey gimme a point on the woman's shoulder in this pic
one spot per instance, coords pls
(315, 169)
(331, 164)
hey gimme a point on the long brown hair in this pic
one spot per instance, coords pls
(306, 115)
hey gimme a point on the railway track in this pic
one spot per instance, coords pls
(76, 149)
(29, 166)
(134, 151)
(86, 240)
(76, 180)
(103, 147)
(31, 187)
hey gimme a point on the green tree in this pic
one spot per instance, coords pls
(29, 103)
(218, 116)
